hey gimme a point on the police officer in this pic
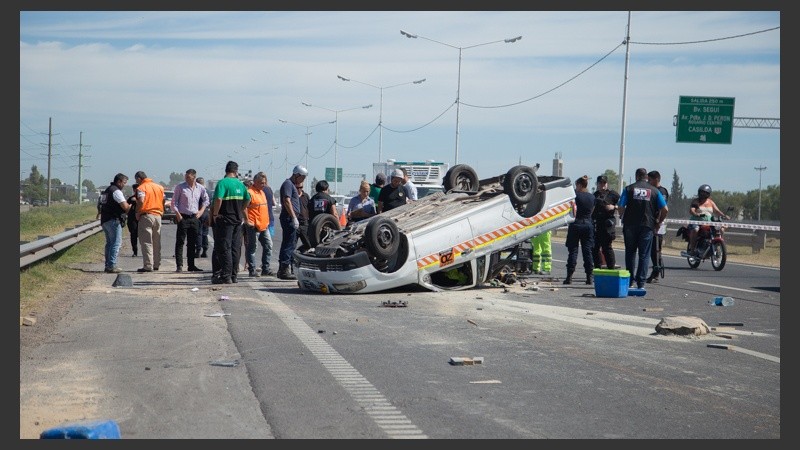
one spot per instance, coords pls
(603, 218)
(643, 210)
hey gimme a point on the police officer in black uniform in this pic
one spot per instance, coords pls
(605, 205)
(643, 209)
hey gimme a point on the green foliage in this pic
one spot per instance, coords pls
(48, 221)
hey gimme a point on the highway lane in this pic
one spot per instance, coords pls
(558, 362)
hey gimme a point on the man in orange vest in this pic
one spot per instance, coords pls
(149, 209)
(256, 227)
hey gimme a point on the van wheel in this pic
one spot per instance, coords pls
(461, 177)
(521, 184)
(322, 226)
(382, 237)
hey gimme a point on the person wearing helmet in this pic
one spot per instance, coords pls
(703, 209)
(290, 221)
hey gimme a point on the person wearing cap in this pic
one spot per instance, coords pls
(393, 194)
(643, 209)
(375, 188)
(290, 222)
(605, 223)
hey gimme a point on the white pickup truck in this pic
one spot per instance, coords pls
(448, 240)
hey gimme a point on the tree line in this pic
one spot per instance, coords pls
(744, 204)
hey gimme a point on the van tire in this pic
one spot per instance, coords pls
(382, 237)
(521, 185)
(320, 227)
(461, 177)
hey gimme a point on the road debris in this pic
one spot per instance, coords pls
(233, 363)
(472, 322)
(731, 324)
(217, 314)
(223, 297)
(652, 309)
(465, 361)
(485, 382)
(722, 346)
(400, 304)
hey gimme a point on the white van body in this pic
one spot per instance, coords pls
(465, 231)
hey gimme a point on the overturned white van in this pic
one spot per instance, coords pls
(449, 240)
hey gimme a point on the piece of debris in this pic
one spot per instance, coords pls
(390, 304)
(472, 322)
(725, 336)
(652, 309)
(320, 331)
(682, 325)
(589, 313)
(123, 280)
(28, 321)
(194, 289)
(223, 297)
(217, 314)
(722, 346)
(479, 309)
(723, 329)
(233, 363)
(588, 294)
(485, 382)
(465, 361)
(732, 324)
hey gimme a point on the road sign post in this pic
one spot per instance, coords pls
(705, 120)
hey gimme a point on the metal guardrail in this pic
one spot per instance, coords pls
(31, 252)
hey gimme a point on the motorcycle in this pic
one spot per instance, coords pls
(710, 245)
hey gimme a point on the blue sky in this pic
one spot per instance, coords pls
(166, 91)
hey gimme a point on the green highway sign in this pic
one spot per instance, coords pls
(705, 120)
(329, 174)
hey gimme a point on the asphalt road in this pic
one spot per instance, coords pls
(277, 362)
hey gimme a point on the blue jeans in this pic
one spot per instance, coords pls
(113, 231)
(638, 238)
(288, 241)
(260, 237)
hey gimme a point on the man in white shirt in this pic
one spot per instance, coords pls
(408, 186)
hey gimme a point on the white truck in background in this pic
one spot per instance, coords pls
(426, 175)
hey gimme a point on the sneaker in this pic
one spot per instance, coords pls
(195, 269)
(142, 270)
(179, 269)
(252, 273)
(267, 273)
(113, 270)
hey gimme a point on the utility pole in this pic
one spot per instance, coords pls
(49, 153)
(759, 169)
(80, 167)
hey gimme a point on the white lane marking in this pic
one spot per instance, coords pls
(386, 416)
(724, 287)
(606, 321)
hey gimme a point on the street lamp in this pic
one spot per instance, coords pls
(759, 169)
(380, 114)
(336, 139)
(308, 133)
(286, 159)
(458, 89)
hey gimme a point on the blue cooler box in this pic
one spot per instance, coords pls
(611, 283)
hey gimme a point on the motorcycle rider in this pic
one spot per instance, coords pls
(702, 208)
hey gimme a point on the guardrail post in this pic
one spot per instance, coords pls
(759, 241)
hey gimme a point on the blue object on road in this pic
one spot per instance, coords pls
(637, 292)
(89, 429)
(722, 301)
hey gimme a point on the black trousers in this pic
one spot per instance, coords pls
(603, 244)
(580, 233)
(227, 249)
(188, 228)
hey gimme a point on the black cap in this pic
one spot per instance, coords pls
(602, 179)
(380, 178)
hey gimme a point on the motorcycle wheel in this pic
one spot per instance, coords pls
(719, 254)
(693, 261)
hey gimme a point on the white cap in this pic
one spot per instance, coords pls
(300, 170)
(398, 173)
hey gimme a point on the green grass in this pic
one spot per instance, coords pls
(39, 281)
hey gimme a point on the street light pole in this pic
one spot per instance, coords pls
(336, 139)
(458, 89)
(759, 169)
(286, 159)
(380, 114)
(308, 133)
